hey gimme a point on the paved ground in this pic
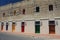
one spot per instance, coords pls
(10, 36)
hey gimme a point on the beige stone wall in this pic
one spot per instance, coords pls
(30, 6)
(43, 16)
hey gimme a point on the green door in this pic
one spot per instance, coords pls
(37, 27)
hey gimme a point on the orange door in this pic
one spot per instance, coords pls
(13, 27)
(2, 24)
(1, 27)
(51, 29)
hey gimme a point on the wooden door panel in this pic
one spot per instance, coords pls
(13, 28)
(2, 28)
(22, 28)
(37, 28)
(51, 29)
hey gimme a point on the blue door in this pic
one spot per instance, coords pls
(6, 26)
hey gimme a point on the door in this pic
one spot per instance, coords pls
(22, 26)
(13, 26)
(1, 27)
(6, 26)
(37, 27)
(2, 24)
(51, 27)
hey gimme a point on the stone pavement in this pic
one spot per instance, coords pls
(25, 36)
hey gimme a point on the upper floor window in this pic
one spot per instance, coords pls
(14, 12)
(23, 11)
(3, 14)
(50, 7)
(37, 9)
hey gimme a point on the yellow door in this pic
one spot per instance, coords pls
(13, 27)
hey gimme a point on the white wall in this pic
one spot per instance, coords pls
(18, 27)
(4, 27)
(57, 28)
(29, 27)
(10, 27)
(44, 27)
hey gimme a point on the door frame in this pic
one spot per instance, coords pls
(13, 26)
(22, 26)
(52, 27)
(2, 26)
(37, 29)
(6, 26)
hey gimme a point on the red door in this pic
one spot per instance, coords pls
(22, 27)
(51, 27)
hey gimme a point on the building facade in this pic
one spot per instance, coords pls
(31, 16)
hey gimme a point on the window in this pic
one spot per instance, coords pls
(22, 26)
(13, 23)
(6, 26)
(37, 9)
(14, 12)
(37, 27)
(3, 14)
(23, 11)
(50, 7)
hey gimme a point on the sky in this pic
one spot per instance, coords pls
(5, 2)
